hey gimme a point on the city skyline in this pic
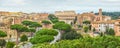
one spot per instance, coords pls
(56, 5)
(59, 23)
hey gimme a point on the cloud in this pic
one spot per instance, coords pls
(53, 5)
(112, 0)
(13, 2)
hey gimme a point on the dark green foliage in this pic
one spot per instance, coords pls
(75, 20)
(23, 38)
(79, 26)
(26, 22)
(86, 28)
(32, 30)
(94, 29)
(107, 29)
(19, 28)
(102, 34)
(61, 22)
(62, 26)
(114, 15)
(2, 42)
(110, 31)
(89, 27)
(53, 18)
(71, 36)
(10, 44)
(43, 35)
(87, 42)
(71, 23)
(46, 22)
(35, 24)
(31, 24)
(41, 39)
(2, 34)
(86, 22)
(47, 32)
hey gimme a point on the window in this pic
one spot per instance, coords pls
(99, 25)
(99, 29)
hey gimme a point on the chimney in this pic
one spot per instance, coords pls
(100, 12)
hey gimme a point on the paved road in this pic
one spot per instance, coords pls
(56, 37)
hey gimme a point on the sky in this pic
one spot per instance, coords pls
(49, 6)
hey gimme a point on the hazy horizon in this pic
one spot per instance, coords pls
(49, 6)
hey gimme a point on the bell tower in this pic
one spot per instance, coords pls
(100, 12)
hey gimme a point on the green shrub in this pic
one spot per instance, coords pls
(47, 32)
(2, 34)
(43, 35)
(87, 42)
(71, 35)
(41, 39)
(23, 38)
(2, 42)
(10, 44)
(62, 26)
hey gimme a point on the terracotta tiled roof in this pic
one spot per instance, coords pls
(105, 22)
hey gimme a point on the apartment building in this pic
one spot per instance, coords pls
(101, 26)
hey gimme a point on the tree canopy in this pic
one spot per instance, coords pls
(94, 29)
(46, 22)
(2, 43)
(110, 31)
(62, 26)
(35, 24)
(75, 20)
(87, 42)
(47, 32)
(114, 15)
(23, 38)
(10, 44)
(41, 39)
(31, 23)
(26, 22)
(53, 18)
(32, 30)
(43, 35)
(86, 22)
(86, 28)
(2, 34)
(71, 36)
(19, 28)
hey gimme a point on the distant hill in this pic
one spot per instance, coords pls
(114, 15)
